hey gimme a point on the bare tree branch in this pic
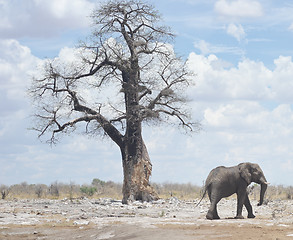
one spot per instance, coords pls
(128, 45)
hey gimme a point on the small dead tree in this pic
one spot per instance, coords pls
(39, 190)
(54, 189)
(4, 191)
(127, 74)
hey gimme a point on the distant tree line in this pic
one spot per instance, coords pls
(100, 189)
(56, 190)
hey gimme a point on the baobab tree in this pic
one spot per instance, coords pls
(125, 75)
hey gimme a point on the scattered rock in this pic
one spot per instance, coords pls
(174, 200)
(81, 222)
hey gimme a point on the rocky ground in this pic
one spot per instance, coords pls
(163, 219)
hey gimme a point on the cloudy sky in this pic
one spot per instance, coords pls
(241, 51)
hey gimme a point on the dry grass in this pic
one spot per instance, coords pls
(102, 189)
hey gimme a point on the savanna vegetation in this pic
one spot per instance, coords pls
(108, 189)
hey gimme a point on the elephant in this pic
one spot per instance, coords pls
(224, 181)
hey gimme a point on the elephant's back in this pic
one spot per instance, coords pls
(218, 175)
(215, 175)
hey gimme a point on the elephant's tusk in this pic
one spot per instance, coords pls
(266, 183)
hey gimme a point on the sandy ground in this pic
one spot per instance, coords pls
(163, 219)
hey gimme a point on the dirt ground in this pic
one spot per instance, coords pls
(169, 231)
(164, 219)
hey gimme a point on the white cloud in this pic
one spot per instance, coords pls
(282, 82)
(208, 48)
(239, 8)
(250, 80)
(35, 18)
(236, 31)
(16, 65)
(238, 126)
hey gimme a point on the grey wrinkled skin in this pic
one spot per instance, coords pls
(225, 181)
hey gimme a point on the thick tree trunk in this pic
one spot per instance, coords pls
(137, 171)
(137, 166)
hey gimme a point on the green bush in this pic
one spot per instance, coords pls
(90, 191)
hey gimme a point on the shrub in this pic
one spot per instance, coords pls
(88, 190)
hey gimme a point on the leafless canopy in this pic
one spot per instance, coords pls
(126, 72)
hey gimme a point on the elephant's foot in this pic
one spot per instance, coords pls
(239, 217)
(212, 216)
(251, 215)
(209, 216)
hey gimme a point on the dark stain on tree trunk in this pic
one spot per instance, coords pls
(137, 170)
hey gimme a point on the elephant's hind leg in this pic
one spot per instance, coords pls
(216, 216)
(213, 213)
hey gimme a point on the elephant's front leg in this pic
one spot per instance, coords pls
(240, 202)
(248, 207)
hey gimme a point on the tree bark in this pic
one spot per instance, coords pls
(137, 170)
(137, 167)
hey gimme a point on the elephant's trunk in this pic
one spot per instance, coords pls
(264, 186)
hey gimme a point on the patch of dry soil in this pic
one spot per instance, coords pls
(164, 219)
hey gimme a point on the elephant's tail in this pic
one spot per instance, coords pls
(205, 191)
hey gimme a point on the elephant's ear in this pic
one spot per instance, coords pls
(244, 170)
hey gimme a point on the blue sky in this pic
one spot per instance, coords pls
(241, 52)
